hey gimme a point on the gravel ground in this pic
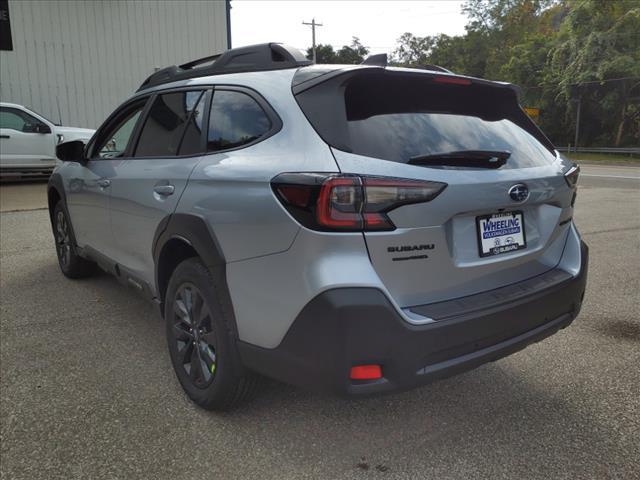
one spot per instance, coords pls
(87, 389)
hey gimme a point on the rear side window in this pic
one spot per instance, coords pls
(165, 124)
(235, 120)
(396, 116)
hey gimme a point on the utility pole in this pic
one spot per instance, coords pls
(575, 140)
(313, 35)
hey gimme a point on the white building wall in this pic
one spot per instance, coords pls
(79, 59)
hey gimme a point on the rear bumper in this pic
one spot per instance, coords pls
(344, 327)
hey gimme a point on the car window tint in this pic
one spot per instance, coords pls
(192, 138)
(115, 140)
(16, 119)
(397, 116)
(164, 125)
(10, 119)
(235, 119)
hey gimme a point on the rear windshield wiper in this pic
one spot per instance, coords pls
(463, 158)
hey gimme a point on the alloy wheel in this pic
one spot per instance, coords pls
(63, 240)
(192, 332)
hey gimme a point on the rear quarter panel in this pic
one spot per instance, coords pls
(232, 191)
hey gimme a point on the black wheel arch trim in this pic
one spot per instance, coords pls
(193, 231)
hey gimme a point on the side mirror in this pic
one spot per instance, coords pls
(42, 128)
(71, 151)
(36, 128)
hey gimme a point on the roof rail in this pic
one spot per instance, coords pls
(200, 61)
(379, 60)
(253, 58)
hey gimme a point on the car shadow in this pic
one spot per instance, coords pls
(494, 412)
(621, 330)
(501, 413)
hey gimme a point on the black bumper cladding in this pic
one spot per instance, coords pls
(346, 327)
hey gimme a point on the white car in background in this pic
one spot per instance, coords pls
(28, 141)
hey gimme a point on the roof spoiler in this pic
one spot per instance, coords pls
(381, 60)
(435, 68)
(253, 58)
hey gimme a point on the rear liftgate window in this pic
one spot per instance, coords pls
(397, 116)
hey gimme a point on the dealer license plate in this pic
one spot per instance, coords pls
(500, 233)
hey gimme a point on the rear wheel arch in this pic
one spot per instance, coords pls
(173, 252)
(181, 236)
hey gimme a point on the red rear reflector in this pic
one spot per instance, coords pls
(366, 372)
(452, 80)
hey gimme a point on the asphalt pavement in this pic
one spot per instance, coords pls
(87, 389)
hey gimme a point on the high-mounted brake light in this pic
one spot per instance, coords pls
(452, 80)
(349, 202)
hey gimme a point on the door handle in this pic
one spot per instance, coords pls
(164, 189)
(104, 183)
(5, 136)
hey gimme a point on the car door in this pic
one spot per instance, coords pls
(88, 184)
(146, 188)
(25, 141)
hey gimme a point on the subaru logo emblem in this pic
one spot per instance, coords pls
(519, 192)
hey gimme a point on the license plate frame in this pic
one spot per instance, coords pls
(514, 245)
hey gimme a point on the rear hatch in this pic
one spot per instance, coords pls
(504, 214)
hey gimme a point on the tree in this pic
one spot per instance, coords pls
(558, 51)
(412, 51)
(596, 60)
(324, 54)
(352, 54)
(462, 54)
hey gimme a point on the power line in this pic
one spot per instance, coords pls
(587, 82)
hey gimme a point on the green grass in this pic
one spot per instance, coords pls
(604, 158)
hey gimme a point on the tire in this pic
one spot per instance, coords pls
(212, 374)
(71, 264)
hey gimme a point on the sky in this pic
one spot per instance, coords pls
(378, 24)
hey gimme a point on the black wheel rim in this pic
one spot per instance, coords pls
(193, 336)
(63, 242)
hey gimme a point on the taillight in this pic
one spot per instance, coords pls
(340, 203)
(349, 202)
(571, 176)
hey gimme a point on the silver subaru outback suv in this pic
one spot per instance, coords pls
(349, 228)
